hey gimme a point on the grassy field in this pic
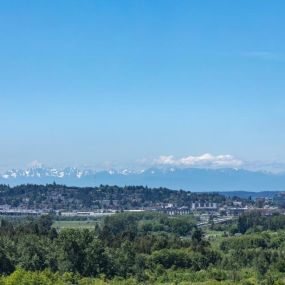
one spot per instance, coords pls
(74, 224)
(214, 237)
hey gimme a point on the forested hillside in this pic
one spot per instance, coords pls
(53, 197)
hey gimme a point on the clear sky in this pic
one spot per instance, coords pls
(86, 82)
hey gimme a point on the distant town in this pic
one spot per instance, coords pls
(93, 202)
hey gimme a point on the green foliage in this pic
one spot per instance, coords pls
(57, 197)
(254, 221)
(140, 248)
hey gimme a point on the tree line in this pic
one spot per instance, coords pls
(55, 197)
(141, 248)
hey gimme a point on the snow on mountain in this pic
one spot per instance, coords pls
(47, 172)
(195, 179)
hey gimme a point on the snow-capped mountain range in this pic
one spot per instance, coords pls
(44, 172)
(195, 179)
(69, 175)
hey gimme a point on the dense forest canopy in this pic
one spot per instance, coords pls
(144, 248)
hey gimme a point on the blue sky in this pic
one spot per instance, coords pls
(90, 82)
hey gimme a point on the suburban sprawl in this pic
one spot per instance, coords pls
(92, 202)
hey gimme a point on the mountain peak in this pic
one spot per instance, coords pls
(195, 179)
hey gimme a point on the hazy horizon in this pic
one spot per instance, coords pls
(204, 161)
(134, 83)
